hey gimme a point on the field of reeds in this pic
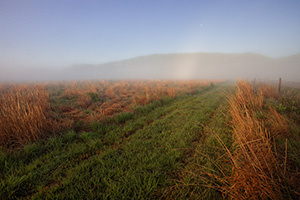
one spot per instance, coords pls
(32, 111)
(149, 140)
(24, 114)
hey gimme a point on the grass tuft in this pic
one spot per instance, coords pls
(24, 116)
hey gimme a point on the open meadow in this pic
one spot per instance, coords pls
(139, 139)
(129, 100)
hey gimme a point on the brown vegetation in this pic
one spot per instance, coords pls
(30, 111)
(258, 169)
(98, 100)
(256, 172)
(23, 114)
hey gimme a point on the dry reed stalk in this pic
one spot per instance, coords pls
(171, 92)
(134, 100)
(276, 122)
(147, 96)
(285, 157)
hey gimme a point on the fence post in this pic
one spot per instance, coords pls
(254, 86)
(279, 85)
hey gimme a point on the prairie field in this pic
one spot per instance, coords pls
(31, 111)
(160, 139)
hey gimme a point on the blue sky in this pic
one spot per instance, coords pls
(60, 33)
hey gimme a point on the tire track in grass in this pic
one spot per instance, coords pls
(142, 164)
(135, 162)
(190, 182)
(46, 164)
(156, 114)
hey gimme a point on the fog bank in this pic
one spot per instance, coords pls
(171, 66)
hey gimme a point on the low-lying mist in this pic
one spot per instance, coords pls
(170, 66)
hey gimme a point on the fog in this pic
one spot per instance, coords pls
(170, 66)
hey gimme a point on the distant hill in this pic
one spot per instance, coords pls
(193, 66)
(181, 66)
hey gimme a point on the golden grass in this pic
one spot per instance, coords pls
(256, 168)
(23, 114)
(31, 111)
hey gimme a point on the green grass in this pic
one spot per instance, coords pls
(162, 150)
(205, 156)
(131, 156)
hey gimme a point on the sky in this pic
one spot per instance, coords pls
(62, 33)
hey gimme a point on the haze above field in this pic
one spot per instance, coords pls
(174, 66)
(43, 40)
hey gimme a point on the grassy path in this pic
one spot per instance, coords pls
(191, 180)
(132, 157)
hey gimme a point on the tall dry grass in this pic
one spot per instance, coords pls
(26, 114)
(23, 114)
(257, 170)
